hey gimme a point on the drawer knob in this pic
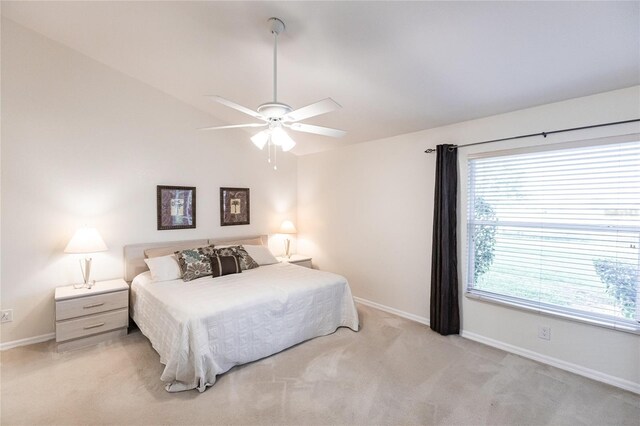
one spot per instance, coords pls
(94, 326)
(95, 305)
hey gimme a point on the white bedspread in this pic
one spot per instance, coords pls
(204, 327)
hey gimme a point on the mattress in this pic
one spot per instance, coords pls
(203, 328)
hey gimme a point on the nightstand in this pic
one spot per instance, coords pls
(85, 316)
(297, 259)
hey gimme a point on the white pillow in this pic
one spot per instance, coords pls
(261, 254)
(164, 268)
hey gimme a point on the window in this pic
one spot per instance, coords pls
(558, 231)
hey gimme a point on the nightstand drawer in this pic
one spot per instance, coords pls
(88, 305)
(92, 324)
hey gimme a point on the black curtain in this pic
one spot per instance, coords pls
(445, 315)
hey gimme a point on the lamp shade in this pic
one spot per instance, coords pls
(260, 139)
(287, 227)
(86, 240)
(282, 139)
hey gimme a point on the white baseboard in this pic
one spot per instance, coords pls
(555, 362)
(398, 312)
(27, 341)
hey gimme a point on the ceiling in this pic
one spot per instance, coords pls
(395, 67)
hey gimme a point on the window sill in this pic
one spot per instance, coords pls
(599, 321)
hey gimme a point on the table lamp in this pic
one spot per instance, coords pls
(85, 241)
(287, 227)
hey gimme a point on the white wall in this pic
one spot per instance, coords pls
(82, 143)
(365, 211)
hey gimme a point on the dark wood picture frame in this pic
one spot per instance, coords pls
(235, 206)
(176, 207)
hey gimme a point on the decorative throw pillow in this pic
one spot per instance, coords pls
(261, 254)
(208, 250)
(225, 265)
(193, 264)
(246, 261)
(164, 268)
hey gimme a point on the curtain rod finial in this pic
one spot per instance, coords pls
(430, 150)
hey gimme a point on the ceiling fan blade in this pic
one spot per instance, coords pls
(235, 126)
(321, 107)
(235, 106)
(318, 130)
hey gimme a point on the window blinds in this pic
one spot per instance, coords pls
(559, 232)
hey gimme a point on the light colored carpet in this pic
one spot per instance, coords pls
(393, 371)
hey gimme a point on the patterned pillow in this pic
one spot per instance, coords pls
(225, 265)
(246, 261)
(208, 250)
(193, 264)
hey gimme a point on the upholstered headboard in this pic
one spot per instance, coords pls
(134, 254)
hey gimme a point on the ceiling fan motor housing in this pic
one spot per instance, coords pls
(274, 110)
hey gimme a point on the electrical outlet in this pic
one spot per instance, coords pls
(7, 315)
(544, 333)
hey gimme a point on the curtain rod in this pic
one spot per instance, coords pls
(430, 150)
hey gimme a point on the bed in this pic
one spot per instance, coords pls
(203, 328)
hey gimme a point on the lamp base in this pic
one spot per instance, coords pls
(88, 285)
(85, 267)
(287, 246)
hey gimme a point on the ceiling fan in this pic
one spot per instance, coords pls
(276, 116)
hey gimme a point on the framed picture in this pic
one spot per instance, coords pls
(176, 207)
(234, 206)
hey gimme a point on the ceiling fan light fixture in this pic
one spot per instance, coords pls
(260, 139)
(280, 138)
(288, 146)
